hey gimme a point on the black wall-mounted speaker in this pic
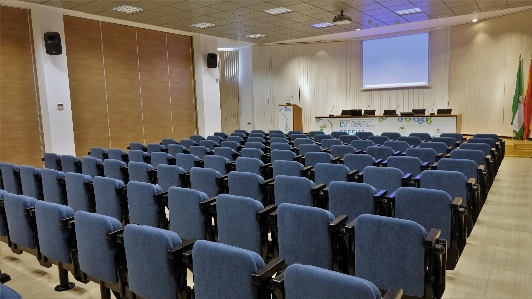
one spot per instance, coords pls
(52, 42)
(212, 60)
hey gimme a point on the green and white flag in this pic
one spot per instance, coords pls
(517, 106)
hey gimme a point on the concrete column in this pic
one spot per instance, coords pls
(245, 88)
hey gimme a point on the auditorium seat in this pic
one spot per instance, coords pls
(186, 161)
(351, 199)
(206, 180)
(313, 158)
(3, 220)
(53, 186)
(290, 133)
(407, 164)
(384, 245)
(494, 160)
(309, 148)
(483, 162)
(312, 134)
(337, 134)
(196, 138)
(256, 135)
(249, 185)
(155, 147)
(459, 138)
(187, 143)
(380, 152)
(226, 152)
(236, 134)
(143, 209)
(139, 156)
(363, 135)
(278, 140)
(320, 137)
(115, 169)
(220, 134)
(200, 151)
(397, 146)
(236, 146)
(209, 144)
(98, 153)
(499, 142)
(31, 182)
(328, 143)
(425, 137)
(188, 212)
(362, 145)
(52, 161)
(470, 169)
(378, 140)
(347, 139)
(252, 153)
(276, 132)
(341, 150)
(360, 161)
(217, 139)
(70, 164)
(278, 135)
(239, 140)
(298, 135)
(439, 147)
(110, 198)
(280, 146)
(80, 192)
(8, 293)
(167, 141)
(141, 172)
(325, 173)
(91, 166)
(424, 154)
(158, 158)
(286, 155)
(296, 190)
(253, 165)
(449, 141)
(169, 175)
(174, 149)
(137, 146)
(391, 135)
(386, 178)
(218, 163)
(257, 145)
(435, 208)
(411, 140)
(118, 154)
(240, 131)
(291, 168)
(495, 151)
(258, 132)
(300, 141)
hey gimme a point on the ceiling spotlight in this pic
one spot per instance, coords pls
(255, 35)
(203, 25)
(322, 41)
(342, 19)
(408, 11)
(474, 20)
(322, 25)
(278, 11)
(358, 29)
(128, 9)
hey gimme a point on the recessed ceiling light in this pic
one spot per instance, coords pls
(255, 35)
(278, 11)
(322, 25)
(408, 11)
(128, 9)
(203, 25)
(474, 20)
(322, 41)
(358, 29)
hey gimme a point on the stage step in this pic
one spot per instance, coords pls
(519, 149)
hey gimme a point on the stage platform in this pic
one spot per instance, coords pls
(518, 148)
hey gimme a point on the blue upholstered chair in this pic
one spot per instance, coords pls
(384, 245)
(11, 178)
(391, 135)
(143, 209)
(248, 184)
(255, 139)
(280, 146)
(312, 134)
(380, 152)
(240, 131)
(313, 158)
(110, 198)
(321, 137)
(117, 154)
(8, 293)
(31, 181)
(188, 214)
(52, 161)
(351, 199)
(209, 144)
(200, 151)
(379, 139)
(424, 154)
(258, 132)
(359, 161)
(70, 164)
(216, 139)
(449, 141)
(139, 156)
(186, 161)
(3, 220)
(383, 178)
(435, 208)
(325, 173)
(224, 271)
(328, 143)
(55, 240)
(295, 136)
(407, 164)
(97, 253)
(411, 140)
(245, 164)
(220, 134)
(226, 152)
(339, 151)
(98, 153)
(439, 147)
(22, 233)
(169, 175)
(290, 133)
(53, 186)
(206, 180)
(474, 178)
(296, 190)
(286, 155)
(155, 147)
(397, 146)
(459, 138)
(115, 169)
(423, 136)
(364, 135)
(347, 139)
(252, 153)
(147, 250)
(291, 168)
(80, 192)
(256, 145)
(276, 132)
(167, 141)
(174, 149)
(299, 141)
(137, 146)
(362, 145)
(187, 143)
(197, 138)
(218, 163)
(91, 166)
(141, 172)
(485, 167)
(337, 134)
(158, 158)
(278, 140)
(237, 139)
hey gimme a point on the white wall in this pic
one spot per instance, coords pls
(207, 86)
(245, 89)
(52, 73)
(320, 76)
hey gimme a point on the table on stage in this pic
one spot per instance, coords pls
(432, 124)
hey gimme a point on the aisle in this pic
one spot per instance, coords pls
(497, 261)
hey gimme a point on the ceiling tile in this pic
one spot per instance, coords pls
(224, 6)
(140, 16)
(90, 9)
(149, 4)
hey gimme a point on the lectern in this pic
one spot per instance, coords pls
(290, 118)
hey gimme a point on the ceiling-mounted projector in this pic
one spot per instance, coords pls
(342, 19)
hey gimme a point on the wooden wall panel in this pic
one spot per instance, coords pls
(154, 80)
(87, 84)
(180, 60)
(229, 96)
(122, 81)
(20, 134)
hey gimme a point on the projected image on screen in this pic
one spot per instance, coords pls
(400, 61)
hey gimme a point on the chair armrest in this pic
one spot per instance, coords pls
(432, 238)
(264, 274)
(378, 162)
(434, 166)
(338, 223)
(407, 176)
(471, 182)
(352, 176)
(182, 253)
(481, 167)
(425, 165)
(264, 184)
(306, 171)
(4, 278)
(65, 221)
(336, 160)
(317, 189)
(417, 179)
(161, 198)
(262, 215)
(457, 201)
(204, 205)
(393, 293)
(113, 236)
(30, 212)
(439, 156)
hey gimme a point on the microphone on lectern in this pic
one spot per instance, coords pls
(397, 107)
(331, 113)
(367, 108)
(288, 103)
